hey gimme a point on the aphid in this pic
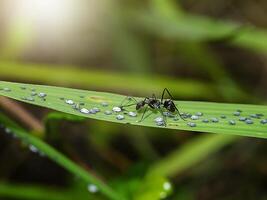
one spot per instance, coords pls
(154, 104)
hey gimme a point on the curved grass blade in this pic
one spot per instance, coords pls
(190, 154)
(33, 192)
(58, 157)
(218, 115)
(69, 75)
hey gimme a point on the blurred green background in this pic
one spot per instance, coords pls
(200, 50)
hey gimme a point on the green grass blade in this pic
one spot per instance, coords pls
(59, 158)
(190, 154)
(93, 99)
(70, 75)
(33, 192)
(199, 28)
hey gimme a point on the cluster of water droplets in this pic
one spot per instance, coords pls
(24, 140)
(161, 120)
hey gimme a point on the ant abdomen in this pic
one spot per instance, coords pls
(169, 105)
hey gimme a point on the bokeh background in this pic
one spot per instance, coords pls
(200, 50)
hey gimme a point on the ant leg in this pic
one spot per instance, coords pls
(163, 93)
(143, 114)
(164, 118)
(179, 113)
(129, 98)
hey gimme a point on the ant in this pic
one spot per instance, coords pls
(154, 104)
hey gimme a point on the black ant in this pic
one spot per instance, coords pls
(154, 104)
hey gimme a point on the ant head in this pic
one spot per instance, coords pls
(169, 105)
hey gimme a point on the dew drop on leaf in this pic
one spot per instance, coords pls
(232, 122)
(249, 121)
(104, 104)
(92, 188)
(242, 119)
(214, 120)
(236, 113)
(199, 114)
(42, 94)
(108, 112)
(120, 117)
(70, 102)
(132, 114)
(116, 109)
(205, 120)
(194, 117)
(84, 111)
(191, 124)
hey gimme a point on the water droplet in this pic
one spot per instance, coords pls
(176, 118)
(33, 93)
(29, 99)
(236, 113)
(187, 115)
(7, 89)
(223, 116)
(92, 188)
(132, 114)
(194, 117)
(205, 120)
(116, 109)
(104, 104)
(108, 112)
(159, 119)
(249, 121)
(84, 111)
(214, 119)
(191, 124)
(199, 114)
(166, 114)
(163, 195)
(42, 95)
(167, 186)
(120, 117)
(254, 116)
(70, 102)
(33, 149)
(242, 119)
(232, 122)
(95, 109)
(8, 131)
(264, 121)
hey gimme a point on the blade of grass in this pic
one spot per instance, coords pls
(93, 99)
(190, 154)
(59, 158)
(49, 74)
(19, 191)
(199, 28)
